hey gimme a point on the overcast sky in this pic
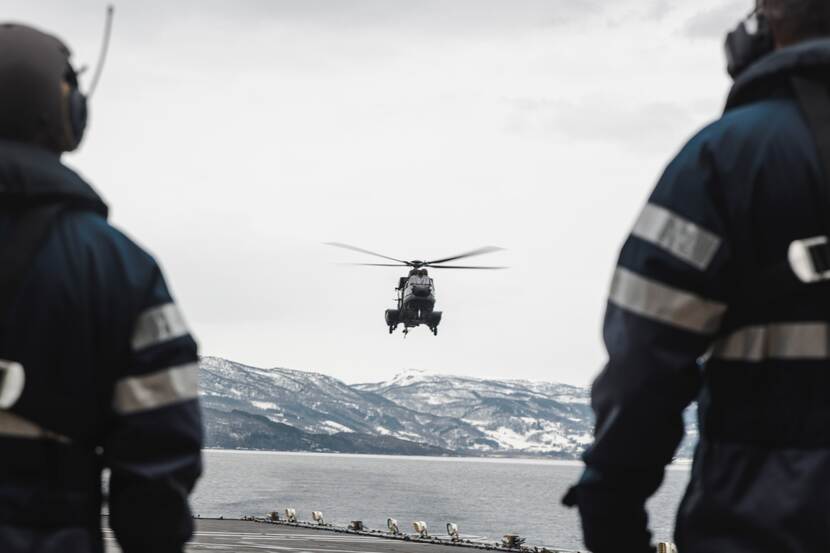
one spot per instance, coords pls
(233, 138)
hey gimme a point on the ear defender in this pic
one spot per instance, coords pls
(75, 112)
(750, 41)
(76, 103)
(41, 101)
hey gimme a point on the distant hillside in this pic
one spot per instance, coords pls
(241, 430)
(515, 416)
(319, 404)
(415, 413)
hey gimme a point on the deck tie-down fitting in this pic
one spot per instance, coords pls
(510, 542)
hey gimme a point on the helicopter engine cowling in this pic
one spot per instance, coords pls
(435, 318)
(393, 317)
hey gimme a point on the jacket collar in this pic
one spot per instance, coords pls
(30, 175)
(770, 71)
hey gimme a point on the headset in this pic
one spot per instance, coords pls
(76, 111)
(750, 41)
(41, 100)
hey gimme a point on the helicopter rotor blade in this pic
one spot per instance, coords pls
(374, 264)
(361, 250)
(464, 267)
(479, 251)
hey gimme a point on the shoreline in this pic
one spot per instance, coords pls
(679, 464)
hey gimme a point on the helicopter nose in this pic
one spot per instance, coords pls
(420, 291)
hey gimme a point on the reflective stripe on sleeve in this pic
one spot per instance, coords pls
(678, 236)
(136, 394)
(776, 341)
(663, 303)
(157, 325)
(15, 426)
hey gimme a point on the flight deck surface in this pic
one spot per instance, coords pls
(240, 536)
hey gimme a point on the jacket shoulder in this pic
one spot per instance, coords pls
(106, 255)
(95, 232)
(753, 124)
(762, 139)
(754, 129)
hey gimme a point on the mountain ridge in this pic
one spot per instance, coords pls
(414, 413)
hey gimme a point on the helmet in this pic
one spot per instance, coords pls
(40, 102)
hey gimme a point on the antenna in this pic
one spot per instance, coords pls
(102, 56)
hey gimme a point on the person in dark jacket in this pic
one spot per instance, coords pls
(97, 366)
(690, 317)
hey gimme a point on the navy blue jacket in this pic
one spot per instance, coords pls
(686, 320)
(111, 380)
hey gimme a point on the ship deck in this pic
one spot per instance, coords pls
(245, 536)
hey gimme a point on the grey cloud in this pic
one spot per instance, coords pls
(437, 14)
(233, 137)
(425, 15)
(632, 12)
(644, 128)
(214, 32)
(660, 9)
(716, 22)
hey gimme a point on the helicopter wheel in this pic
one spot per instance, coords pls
(435, 331)
(391, 329)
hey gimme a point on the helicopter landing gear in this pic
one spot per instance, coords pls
(392, 328)
(434, 321)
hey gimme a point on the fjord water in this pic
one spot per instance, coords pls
(485, 497)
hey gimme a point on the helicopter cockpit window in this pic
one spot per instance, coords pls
(418, 280)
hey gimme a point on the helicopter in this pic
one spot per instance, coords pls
(416, 291)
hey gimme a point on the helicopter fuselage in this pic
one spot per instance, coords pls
(415, 303)
(416, 292)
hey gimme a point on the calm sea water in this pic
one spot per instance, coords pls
(485, 497)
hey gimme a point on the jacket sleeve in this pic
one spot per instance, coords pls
(667, 301)
(154, 446)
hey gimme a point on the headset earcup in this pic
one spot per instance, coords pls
(77, 114)
(744, 47)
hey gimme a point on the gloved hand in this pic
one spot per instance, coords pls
(611, 522)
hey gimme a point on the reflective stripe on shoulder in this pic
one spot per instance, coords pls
(680, 237)
(776, 341)
(15, 426)
(158, 324)
(136, 394)
(663, 303)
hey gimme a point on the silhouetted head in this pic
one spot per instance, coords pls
(40, 102)
(794, 21)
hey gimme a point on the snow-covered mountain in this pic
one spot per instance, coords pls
(518, 416)
(320, 404)
(414, 413)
